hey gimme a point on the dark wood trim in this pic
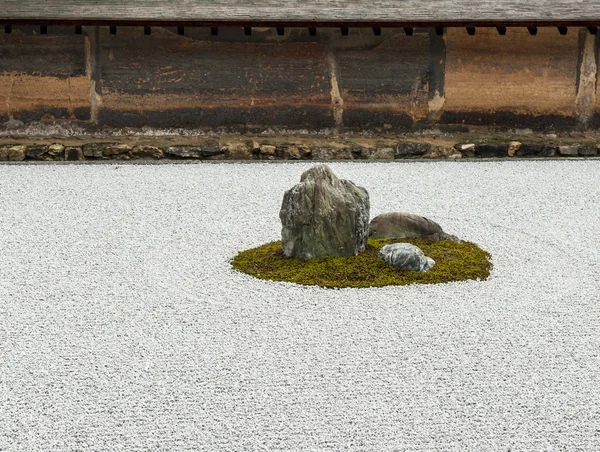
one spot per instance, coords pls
(300, 24)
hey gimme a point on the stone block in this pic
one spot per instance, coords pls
(95, 150)
(490, 150)
(214, 150)
(74, 153)
(330, 153)
(12, 153)
(147, 152)
(536, 150)
(588, 150)
(513, 147)
(183, 152)
(55, 151)
(118, 151)
(36, 152)
(44, 152)
(294, 152)
(549, 150)
(408, 150)
(443, 152)
(569, 151)
(267, 152)
(234, 150)
(382, 153)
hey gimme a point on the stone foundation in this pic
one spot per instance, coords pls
(292, 149)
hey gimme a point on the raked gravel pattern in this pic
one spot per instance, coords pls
(123, 327)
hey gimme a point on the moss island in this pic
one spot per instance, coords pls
(454, 262)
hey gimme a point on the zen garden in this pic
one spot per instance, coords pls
(327, 241)
(316, 225)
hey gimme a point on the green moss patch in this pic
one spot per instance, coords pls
(453, 262)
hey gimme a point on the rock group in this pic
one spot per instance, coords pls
(324, 216)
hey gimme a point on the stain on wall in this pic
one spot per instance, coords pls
(43, 77)
(386, 83)
(437, 76)
(586, 77)
(171, 80)
(593, 60)
(515, 80)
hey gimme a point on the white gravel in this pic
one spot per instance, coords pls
(123, 327)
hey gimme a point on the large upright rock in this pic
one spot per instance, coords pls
(324, 216)
(402, 225)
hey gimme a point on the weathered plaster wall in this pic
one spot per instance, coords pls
(514, 80)
(299, 81)
(384, 82)
(44, 77)
(167, 80)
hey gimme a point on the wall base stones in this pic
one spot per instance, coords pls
(275, 148)
(12, 153)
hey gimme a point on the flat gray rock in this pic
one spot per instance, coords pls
(406, 257)
(324, 216)
(402, 225)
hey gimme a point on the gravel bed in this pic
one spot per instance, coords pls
(123, 327)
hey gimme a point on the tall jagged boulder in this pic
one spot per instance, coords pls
(324, 216)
